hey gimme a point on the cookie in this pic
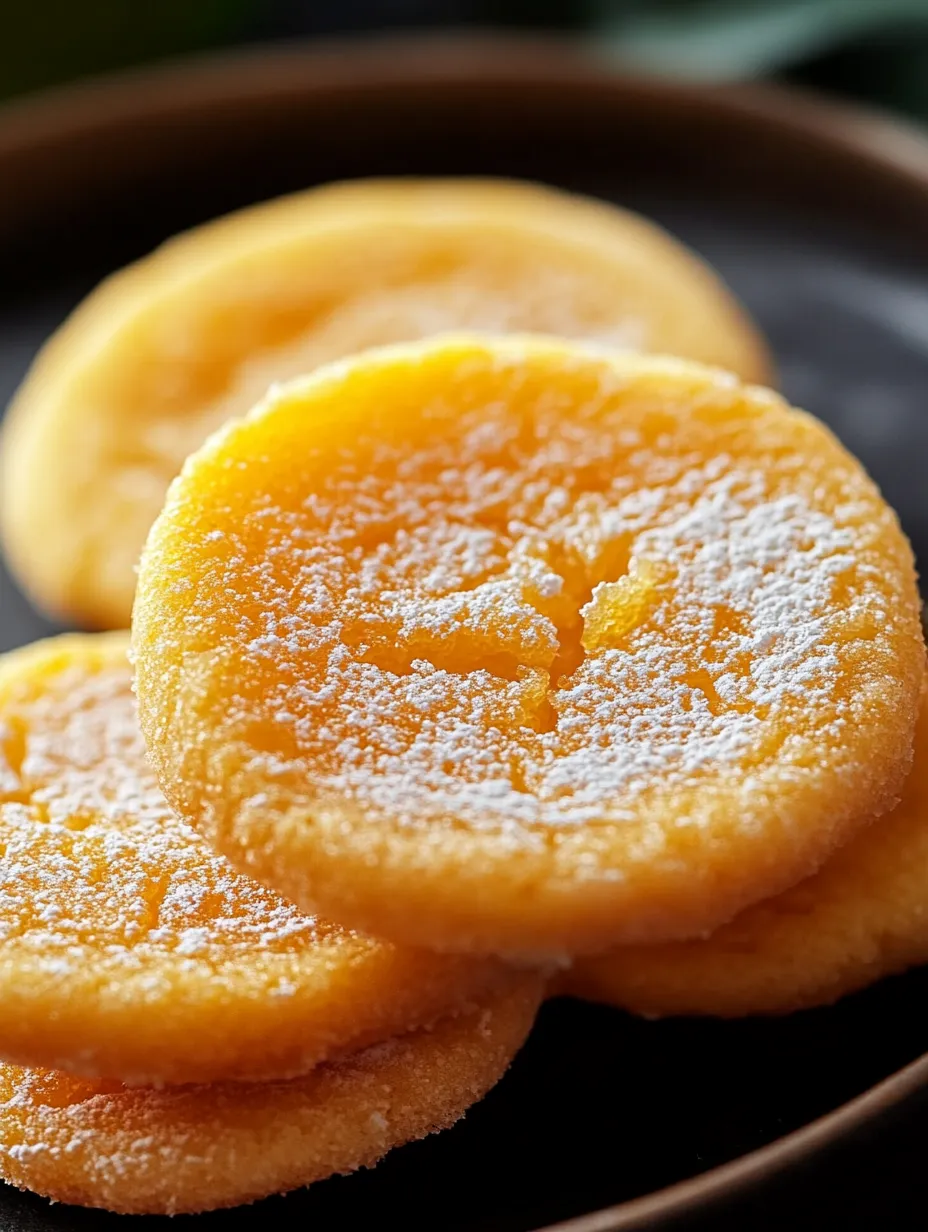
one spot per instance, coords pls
(516, 647)
(129, 949)
(167, 350)
(859, 919)
(197, 1148)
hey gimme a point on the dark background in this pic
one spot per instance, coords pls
(873, 49)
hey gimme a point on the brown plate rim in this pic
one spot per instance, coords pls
(44, 137)
(76, 117)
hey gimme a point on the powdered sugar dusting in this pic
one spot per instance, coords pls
(525, 605)
(95, 869)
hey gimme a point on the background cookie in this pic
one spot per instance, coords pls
(865, 915)
(513, 646)
(166, 351)
(128, 949)
(190, 1149)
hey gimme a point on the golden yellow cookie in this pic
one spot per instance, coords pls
(865, 915)
(197, 1148)
(166, 351)
(508, 646)
(128, 949)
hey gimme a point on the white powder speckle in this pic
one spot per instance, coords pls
(99, 879)
(522, 610)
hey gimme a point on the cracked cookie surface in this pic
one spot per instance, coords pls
(512, 645)
(128, 948)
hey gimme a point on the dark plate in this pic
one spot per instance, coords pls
(818, 217)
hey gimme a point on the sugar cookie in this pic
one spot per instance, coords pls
(166, 351)
(128, 949)
(864, 916)
(196, 1148)
(513, 646)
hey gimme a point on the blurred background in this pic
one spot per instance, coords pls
(876, 50)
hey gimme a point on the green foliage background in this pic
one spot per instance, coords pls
(875, 49)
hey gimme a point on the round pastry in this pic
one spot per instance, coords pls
(187, 1149)
(511, 646)
(129, 949)
(864, 916)
(166, 351)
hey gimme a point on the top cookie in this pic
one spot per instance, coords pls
(166, 351)
(513, 646)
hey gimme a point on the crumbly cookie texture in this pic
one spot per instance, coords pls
(180, 1150)
(130, 949)
(515, 646)
(859, 919)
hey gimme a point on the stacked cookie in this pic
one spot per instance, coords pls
(466, 668)
(192, 1039)
(165, 352)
